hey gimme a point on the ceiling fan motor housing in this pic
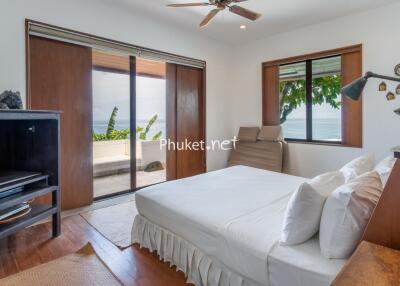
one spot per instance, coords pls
(221, 2)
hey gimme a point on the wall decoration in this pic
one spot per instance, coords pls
(382, 86)
(397, 70)
(10, 100)
(390, 96)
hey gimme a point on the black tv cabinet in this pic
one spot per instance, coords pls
(29, 141)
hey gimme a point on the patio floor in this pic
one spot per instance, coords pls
(108, 185)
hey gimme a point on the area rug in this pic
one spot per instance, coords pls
(82, 268)
(114, 223)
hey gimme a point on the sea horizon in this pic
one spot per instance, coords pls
(323, 129)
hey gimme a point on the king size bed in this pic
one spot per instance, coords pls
(223, 228)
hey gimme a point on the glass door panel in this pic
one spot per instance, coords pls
(150, 122)
(111, 124)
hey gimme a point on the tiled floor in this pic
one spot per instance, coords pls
(116, 183)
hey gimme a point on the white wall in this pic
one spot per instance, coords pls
(377, 30)
(125, 25)
(233, 73)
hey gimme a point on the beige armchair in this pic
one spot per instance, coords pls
(263, 149)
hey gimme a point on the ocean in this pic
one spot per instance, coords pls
(159, 125)
(323, 129)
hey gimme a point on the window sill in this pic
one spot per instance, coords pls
(322, 143)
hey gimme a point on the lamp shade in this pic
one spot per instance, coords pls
(354, 90)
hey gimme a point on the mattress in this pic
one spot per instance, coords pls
(233, 215)
(302, 265)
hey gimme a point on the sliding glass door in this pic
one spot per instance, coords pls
(111, 124)
(129, 120)
(150, 122)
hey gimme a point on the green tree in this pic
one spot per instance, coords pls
(144, 131)
(112, 134)
(157, 136)
(111, 122)
(293, 94)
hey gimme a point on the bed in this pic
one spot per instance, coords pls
(223, 227)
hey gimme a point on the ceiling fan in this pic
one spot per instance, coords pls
(220, 6)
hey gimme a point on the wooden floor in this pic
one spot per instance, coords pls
(34, 246)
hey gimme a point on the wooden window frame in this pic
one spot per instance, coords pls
(351, 110)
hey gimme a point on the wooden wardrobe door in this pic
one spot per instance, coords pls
(189, 119)
(185, 122)
(60, 78)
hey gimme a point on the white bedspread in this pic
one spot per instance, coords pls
(302, 265)
(233, 215)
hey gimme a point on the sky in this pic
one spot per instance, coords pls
(112, 89)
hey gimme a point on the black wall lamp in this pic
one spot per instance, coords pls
(354, 90)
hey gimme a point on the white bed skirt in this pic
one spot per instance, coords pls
(199, 268)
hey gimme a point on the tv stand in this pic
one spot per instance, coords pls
(29, 142)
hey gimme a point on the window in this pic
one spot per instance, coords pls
(302, 94)
(310, 101)
(326, 100)
(292, 100)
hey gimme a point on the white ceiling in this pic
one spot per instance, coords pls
(278, 16)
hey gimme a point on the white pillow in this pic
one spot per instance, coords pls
(303, 212)
(346, 214)
(384, 168)
(358, 167)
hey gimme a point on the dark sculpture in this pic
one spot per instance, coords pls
(10, 100)
(154, 166)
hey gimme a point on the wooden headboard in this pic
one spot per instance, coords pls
(384, 225)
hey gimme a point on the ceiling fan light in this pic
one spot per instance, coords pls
(243, 27)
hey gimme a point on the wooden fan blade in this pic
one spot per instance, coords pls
(238, 1)
(244, 12)
(209, 17)
(187, 5)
